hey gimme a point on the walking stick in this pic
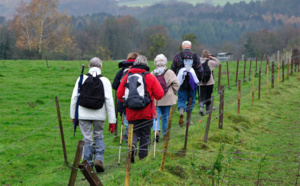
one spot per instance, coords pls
(155, 127)
(121, 139)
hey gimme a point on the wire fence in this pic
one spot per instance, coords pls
(176, 134)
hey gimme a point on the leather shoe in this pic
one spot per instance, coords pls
(99, 166)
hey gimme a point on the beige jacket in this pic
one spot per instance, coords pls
(213, 63)
(170, 97)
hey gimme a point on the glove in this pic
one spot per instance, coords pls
(111, 127)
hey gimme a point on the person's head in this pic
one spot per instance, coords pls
(141, 60)
(186, 45)
(132, 55)
(205, 54)
(160, 60)
(95, 62)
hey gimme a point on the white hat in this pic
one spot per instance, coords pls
(160, 60)
(186, 43)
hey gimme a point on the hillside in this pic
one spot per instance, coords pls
(259, 146)
(77, 7)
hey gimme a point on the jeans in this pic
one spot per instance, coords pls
(183, 98)
(205, 94)
(163, 111)
(91, 148)
(125, 122)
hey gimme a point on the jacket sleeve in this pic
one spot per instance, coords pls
(109, 101)
(174, 83)
(121, 88)
(74, 100)
(117, 79)
(214, 62)
(198, 68)
(174, 64)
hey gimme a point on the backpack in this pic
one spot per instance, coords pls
(206, 72)
(136, 95)
(162, 81)
(92, 92)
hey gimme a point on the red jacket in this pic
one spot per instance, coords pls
(153, 87)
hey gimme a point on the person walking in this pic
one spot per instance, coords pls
(206, 89)
(125, 66)
(192, 74)
(92, 113)
(141, 117)
(170, 84)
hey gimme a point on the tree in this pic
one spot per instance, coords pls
(158, 42)
(39, 26)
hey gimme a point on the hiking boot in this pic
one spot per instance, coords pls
(157, 136)
(133, 153)
(201, 111)
(99, 166)
(181, 122)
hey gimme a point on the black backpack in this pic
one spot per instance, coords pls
(136, 94)
(92, 92)
(206, 72)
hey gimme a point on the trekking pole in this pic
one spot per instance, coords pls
(121, 139)
(155, 126)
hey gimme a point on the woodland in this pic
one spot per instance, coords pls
(63, 32)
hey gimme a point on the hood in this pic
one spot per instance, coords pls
(126, 63)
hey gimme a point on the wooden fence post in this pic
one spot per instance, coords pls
(76, 163)
(255, 64)
(219, 78)
(61, 130)
(267, 57)
(221, 108)
(282, 70)
(244, 69)
(273, 67)
(89, 174)
(292, 65)
(208, 120)
(261, 62)
(239, 97)
(267, 78)
(188, 118)
(47, 61)
(259, 83)
(228, 75)
(278, 63)
(116, 111)
(237, 71)
(288, 68)
(162, 166)
(250, 69)
(129, 154)
(253, 88)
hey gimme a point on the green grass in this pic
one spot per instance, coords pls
(31, 151)
(194, 2)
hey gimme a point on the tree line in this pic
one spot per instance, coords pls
(39, 29)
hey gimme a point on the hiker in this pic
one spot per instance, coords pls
(191, 62)
(89, 117)
(124, 65)
(170, 85)
(139, 83)
(206, 88)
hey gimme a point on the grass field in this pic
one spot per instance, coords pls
(194, 2)
(260, 144)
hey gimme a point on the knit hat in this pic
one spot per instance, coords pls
(160, 60)
(141, 60)
(186, 43)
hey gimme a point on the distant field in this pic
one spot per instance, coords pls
(194, 2)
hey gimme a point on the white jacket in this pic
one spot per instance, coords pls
(95, 114)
